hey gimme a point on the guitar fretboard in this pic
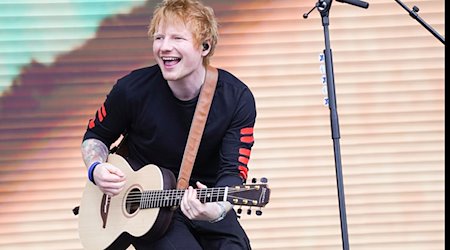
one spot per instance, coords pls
(169, 198)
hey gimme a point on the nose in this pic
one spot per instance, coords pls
(166, 45)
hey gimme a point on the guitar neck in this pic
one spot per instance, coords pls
(169, 198)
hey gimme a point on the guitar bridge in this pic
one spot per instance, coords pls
(104, 208)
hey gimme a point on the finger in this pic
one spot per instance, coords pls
(107, 176)
(115, 178)
(113, 185)
(191, 194)
(201, 185)
(194, 203)
(185, 208)
(104, 174)
(114, 170)
(184, 203)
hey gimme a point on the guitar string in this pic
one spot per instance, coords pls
(164, 193)
(166, 197)
(136, 196)
(156, 198)
(214, 191)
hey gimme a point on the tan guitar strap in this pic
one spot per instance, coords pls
(197, 126)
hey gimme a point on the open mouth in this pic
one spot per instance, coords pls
(170, 61)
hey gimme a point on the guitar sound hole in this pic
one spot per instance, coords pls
(133, 201)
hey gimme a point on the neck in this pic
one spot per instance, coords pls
(188, 87)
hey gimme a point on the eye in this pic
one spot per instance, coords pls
(157, 37)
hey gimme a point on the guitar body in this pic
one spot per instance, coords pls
(103, 219)
(144, 208)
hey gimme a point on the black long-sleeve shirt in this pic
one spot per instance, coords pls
(157, 123)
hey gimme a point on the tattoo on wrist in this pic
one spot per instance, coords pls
(93, 150)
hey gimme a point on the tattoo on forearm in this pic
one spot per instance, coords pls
(93, 150)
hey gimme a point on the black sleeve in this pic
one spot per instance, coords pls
(237, 143)
(112, 118)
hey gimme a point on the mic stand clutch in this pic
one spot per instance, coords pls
(323, 6)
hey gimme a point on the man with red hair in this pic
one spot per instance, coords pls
(154, 106)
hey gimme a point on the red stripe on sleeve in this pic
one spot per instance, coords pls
(247, 139)
(244, 152)
(91, 124)
(243, 172)
(243, 160)
(103, 110)
(100, 115)
(247, 131)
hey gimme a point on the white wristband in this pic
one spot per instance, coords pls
(222, 214)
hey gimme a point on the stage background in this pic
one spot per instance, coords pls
(59, 58)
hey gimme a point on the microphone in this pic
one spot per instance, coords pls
(358, 3)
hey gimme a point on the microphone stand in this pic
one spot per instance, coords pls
(323, 6)
(414, 15)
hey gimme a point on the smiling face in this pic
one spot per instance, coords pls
(186, 15)
(177, 52)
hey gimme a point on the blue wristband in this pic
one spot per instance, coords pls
(91, 171)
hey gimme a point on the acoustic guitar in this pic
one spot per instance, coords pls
(144, 208)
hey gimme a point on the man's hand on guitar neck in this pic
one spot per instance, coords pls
(109, 179)
(194, 209)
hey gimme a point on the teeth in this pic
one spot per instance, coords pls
(170, 58)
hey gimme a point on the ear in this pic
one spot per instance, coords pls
(206, 48)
